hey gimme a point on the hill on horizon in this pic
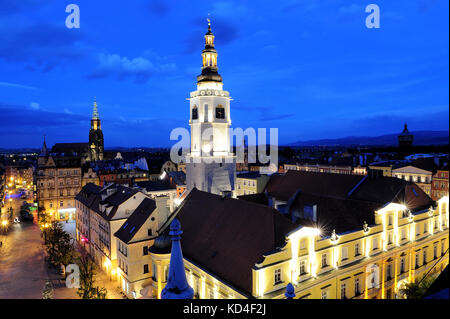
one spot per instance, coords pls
(420, 138)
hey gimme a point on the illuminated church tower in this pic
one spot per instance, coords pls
(211, 165)
(95, 137)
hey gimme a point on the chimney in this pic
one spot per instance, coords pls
(162, 210)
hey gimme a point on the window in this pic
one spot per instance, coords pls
(424, 256)
(343, 291)
(389, 220)
(388, 272)
(145, 269)
(403, 233)
(154, 272)
(357, 287)
(61, 204)
(425, 227)
(417, 230)
(308, 212)
(302, 267)
(220, 112)
(402, 265)
(435, 251)
(417, 260)
(344, 253)
(357, 253)
(375, 243)
(149, 232)
(324, 260)
(324, 294)
(277, 276)
(389, 238)
(145, 251)
(195, 113)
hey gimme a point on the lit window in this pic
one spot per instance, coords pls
(324, 260)
(220, 112)
(343, 291)
(277, 276)
(357, 288)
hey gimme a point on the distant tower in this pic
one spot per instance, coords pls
(177, 286)
(95, 137)
(42, 159)
(405, 140)
(211, 164)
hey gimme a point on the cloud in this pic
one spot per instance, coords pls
(67, 111)
(139, 69)
(41, 46)
(11, 7)
(19, 86)
(224, 31)
(158, 8)
(29, 118)
(35, 106)
(265, 113)
(271, 117)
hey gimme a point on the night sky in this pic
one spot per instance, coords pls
(308, 67)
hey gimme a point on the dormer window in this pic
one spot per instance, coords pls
(195, 113)
(220, 112)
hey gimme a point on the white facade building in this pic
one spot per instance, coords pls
(211, 164)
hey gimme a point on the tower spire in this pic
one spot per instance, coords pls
(209, 58)
(95, 111)
(44, 150)
(177, 286)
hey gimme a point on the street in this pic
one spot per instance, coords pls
(23, 271)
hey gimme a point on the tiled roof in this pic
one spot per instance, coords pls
(156, 185)
(136, 220)
(285, 186)
(227, 236)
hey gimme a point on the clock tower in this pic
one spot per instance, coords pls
(210, 165)
(95, 137)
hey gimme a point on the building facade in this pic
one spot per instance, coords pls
(250, 183)
(439, 183)
(96, 143)
(417, 175)
(399, 244)
(210, 164)
(58, 180)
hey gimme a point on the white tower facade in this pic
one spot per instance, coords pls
(211, 164)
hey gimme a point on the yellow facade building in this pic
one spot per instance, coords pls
(402, 240)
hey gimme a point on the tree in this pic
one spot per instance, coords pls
(417, 289)
(59, 245)
(87, 289)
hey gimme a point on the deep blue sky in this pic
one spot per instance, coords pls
(309, 67)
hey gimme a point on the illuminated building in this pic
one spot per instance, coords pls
(58, 180)
(96, 147)
(117, 225)
(331, 236)
(100, 212)
(210, 165)
(417, 175)
(439, 183)
(250, 183)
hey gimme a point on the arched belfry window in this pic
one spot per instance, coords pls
(220, 112)
(195, 112)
